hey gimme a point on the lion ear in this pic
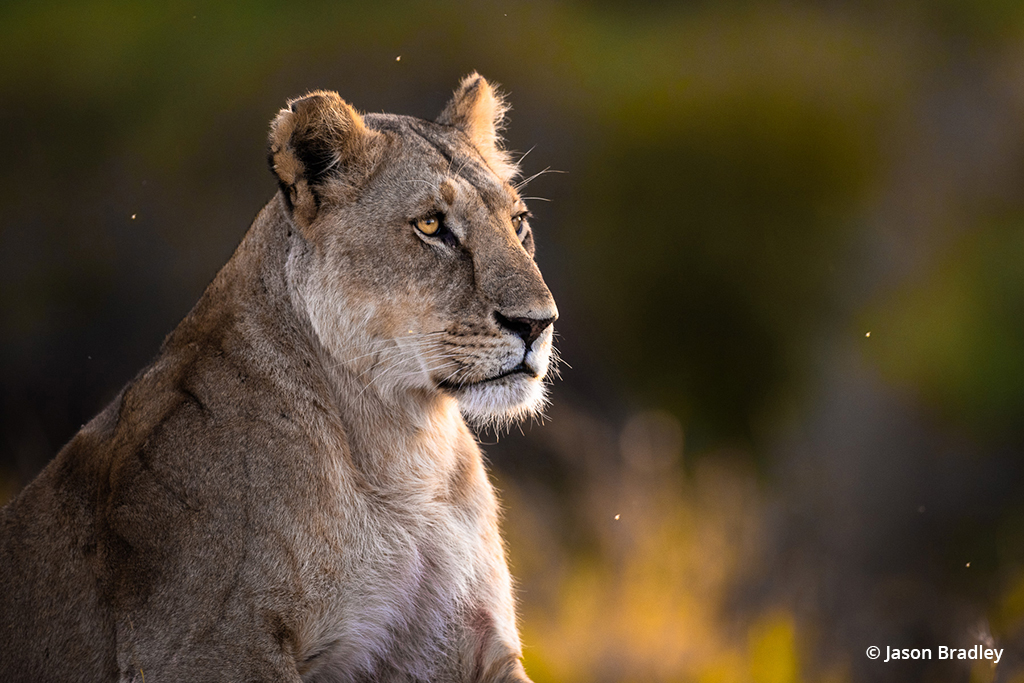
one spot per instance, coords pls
(316, 137)
(478, 110)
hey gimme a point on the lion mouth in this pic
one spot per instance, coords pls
(522, 369)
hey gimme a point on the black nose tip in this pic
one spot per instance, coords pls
(528, 329)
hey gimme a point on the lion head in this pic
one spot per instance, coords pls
(418, 274)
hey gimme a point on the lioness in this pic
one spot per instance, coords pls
(290, 492)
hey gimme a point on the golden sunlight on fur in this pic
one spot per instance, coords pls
(480, 111)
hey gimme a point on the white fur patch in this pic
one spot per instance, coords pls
(502, 402)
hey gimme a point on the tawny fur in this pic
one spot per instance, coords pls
(290, 492)
(480, 111)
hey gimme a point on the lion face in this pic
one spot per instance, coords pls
(421, 274)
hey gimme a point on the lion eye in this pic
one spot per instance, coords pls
(428, 226)
(519, 224)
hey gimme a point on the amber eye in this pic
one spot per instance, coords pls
(429, 225)
(519, 223)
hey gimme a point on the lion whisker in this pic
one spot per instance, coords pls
(525, 154)
(418, 343)
(526, 181)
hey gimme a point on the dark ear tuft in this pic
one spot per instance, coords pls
(316, 136)
(478, 110)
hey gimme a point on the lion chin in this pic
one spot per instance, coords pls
(502, 402)
(509, 396)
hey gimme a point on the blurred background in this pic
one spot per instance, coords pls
(787, 244)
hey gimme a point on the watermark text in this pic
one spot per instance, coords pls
(941, 652)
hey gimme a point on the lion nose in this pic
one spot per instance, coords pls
(528, 329)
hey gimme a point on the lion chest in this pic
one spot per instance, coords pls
(391, 573)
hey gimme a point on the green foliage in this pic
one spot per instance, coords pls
(720, 197)
(954, 337)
